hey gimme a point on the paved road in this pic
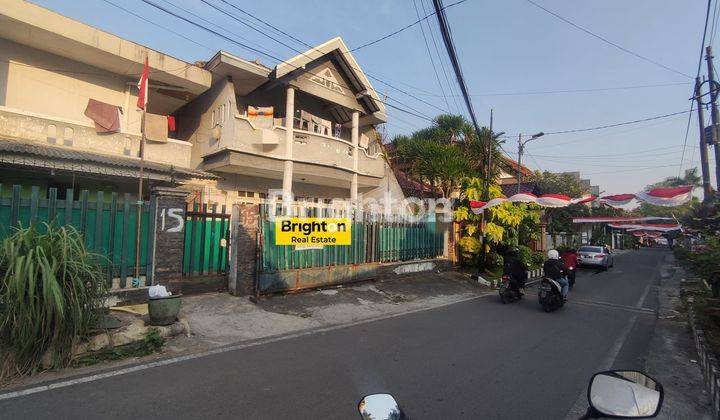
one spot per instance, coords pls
(476, 359)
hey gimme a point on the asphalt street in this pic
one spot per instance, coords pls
(475, 359)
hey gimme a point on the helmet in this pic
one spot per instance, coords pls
(513, 252)
(553, 254)
(573, 250)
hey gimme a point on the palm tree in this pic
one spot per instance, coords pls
(691, 177)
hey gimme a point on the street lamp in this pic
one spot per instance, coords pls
(521, 147)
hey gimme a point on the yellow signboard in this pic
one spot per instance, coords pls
(312, 231)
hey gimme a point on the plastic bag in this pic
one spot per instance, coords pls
(158, 291)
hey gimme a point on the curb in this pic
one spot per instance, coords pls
(708, 363)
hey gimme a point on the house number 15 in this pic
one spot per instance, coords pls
(175, 224)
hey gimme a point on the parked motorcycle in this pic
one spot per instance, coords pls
(550, 295)
(508, 294)
(615, 393)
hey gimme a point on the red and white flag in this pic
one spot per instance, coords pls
(667, 197)
(143, 86)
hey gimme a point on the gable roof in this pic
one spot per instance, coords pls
(336, 47)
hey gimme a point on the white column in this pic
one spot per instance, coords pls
(289, 140)
(355, 135)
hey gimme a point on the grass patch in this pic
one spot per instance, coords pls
(151, 343)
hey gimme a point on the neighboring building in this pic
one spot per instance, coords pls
(241, 129)
(50, 68)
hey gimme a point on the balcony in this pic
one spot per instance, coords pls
(45, 130)
(318, 158)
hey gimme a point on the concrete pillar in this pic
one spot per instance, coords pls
(242, 273)
(289, 140)
(169, 241)
(355, 135)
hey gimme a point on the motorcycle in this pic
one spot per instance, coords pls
(571, 275)
(550, 295)
(508, 294)
(614, 393)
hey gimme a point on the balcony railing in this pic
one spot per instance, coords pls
(51, 131)
(309, 147)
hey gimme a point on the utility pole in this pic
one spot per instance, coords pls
(713, 112)
(488, 170)
(521, 146)
(707, 189)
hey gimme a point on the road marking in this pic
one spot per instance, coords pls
(219, 350)
(635, 309)
(643, 296)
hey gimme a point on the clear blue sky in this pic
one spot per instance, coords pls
(505, 47)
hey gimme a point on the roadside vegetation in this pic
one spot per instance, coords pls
(51, 293)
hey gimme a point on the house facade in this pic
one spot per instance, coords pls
(239, 129)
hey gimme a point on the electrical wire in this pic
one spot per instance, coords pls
(391, 34)
(432, 61)
(226, 38)
(602, 127)
(699, 66)
(313, 48)
(605, 40)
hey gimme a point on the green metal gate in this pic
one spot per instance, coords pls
(207, 235)
(106, 220)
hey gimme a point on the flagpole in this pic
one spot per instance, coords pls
(138, 228)
(142, 93)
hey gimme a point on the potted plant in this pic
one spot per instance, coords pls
(163, 307)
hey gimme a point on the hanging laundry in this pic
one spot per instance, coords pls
(105, 116)
(156, 127)
(171, 123)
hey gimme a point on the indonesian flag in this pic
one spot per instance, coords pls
(477, 206)
(617, 200)
(667, 197)
(553, 200)
(584, 199)
(523, 198)
(143, 86)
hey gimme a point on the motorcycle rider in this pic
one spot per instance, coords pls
(555, 269)
(516, 269)
(569, 258)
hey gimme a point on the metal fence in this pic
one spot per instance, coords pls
(206, 239)
(371, 242)
(106, 220)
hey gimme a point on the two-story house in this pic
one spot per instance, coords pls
(237, 129)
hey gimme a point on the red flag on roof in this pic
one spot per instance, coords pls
(143, 86)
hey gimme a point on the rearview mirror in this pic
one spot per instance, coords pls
(625, 394)
(380, 407)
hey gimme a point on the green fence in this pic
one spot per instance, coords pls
(371, 242)
(107, 223)
(206, 240)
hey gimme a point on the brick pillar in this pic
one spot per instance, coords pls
(169, 237)
(244, 249)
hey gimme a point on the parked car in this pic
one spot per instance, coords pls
(596, 256)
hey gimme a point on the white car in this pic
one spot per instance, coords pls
(596, 256)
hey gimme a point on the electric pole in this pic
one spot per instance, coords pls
(713, 112)
(707, 189)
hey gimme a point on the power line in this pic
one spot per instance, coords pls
(601, 127)
(451, 86)
(699, 66)
(432, 61)
(304, 54)
(218, 34)
(384, 37)
(607, 41)
(450, 47)
(552, 92)
(714, 23)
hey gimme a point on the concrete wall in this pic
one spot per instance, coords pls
(40, 82)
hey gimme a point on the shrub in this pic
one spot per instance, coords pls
(494, 260)
(469, 248)
(525, 254)
(51, 290)
(538, 258)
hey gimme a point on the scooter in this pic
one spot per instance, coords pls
(550, 295)
(571, 276)
(507, 293)
(613, 393)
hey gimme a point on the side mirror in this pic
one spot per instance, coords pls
(625, 394)
(380, 407)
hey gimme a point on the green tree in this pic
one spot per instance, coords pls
(559, 220)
